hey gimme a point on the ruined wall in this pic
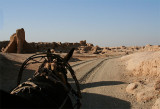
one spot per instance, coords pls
(20, 38)
(17, 43)
(81, 47)
(57, 47)
(61, 47)
(3, 44)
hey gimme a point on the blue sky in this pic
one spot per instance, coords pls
(101, 22)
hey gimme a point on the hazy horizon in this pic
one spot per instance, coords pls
(101, 22)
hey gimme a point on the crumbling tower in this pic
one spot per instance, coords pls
(20, 33)
(18, 43)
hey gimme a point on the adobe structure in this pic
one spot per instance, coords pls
(18, 44)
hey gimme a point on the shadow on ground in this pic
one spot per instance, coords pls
(9, 70)
(101, 83)
(97, 101)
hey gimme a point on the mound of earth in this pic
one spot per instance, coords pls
(144, 69)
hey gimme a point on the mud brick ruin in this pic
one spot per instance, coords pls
(18, 44)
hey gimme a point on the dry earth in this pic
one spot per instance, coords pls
(102, 80)
(144, 73)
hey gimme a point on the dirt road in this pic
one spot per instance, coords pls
(101, 81)
(101, 84)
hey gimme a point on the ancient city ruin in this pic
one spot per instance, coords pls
(17, 43)
(138, 65)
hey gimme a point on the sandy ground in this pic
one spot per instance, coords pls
(103, 85)
(102, 80)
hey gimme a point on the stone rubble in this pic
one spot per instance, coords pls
(18, 44)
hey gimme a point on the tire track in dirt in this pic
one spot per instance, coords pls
(83, 69)
(94, 68)
(102, 87)
(83, 62)
(87, 75)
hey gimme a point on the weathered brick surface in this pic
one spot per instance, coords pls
(17, 43)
